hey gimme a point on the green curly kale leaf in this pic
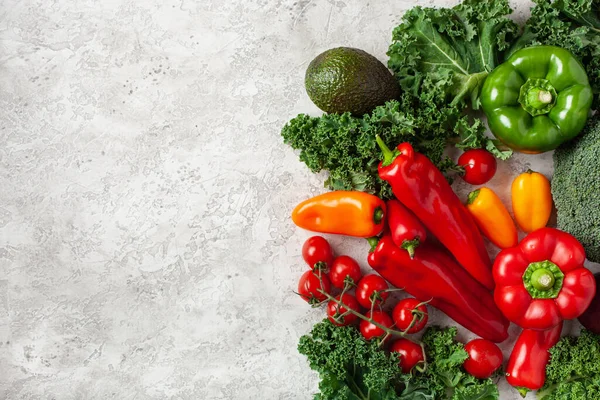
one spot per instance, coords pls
(570, 24)
(573, 372)
(345, 145)
(444, 373)
(352, 368)
(463, 43)
(349, 366)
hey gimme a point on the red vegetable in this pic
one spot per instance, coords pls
(406, 229)
(484, 358)
(423, 189)
(479, 165)
(408, 310)
(338, 314)
(309, 286)
(433, 275)
(370, 330)
(590, 319)
(526, 369)
(542, 281)
(371, 288)
(344, 269)
(317, 252)
(411, 354)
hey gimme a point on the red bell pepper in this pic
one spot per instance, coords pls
(526, 369)
(433, 275)
(406, 230)
(423, 189)
(542, 280)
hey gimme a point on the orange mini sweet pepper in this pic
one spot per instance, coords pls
(350, 213)
(531, 200)
(493, 219)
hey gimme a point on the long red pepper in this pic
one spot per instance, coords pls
(421, 187)
(526, 369)
(406, 230)
(433, 275)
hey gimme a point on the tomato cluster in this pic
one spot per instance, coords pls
(361, 300)
(365, 306)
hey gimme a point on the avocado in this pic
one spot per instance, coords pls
(347, 79)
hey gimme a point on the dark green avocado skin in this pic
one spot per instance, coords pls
(347, 79)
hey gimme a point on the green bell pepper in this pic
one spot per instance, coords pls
(539, 98)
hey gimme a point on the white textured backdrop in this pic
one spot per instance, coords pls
(146, 250)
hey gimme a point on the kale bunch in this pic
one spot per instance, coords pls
(573, 372)
(345, 146)
(355, 369)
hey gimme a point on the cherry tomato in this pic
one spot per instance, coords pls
(411, 354)
(484, 358)
(479, 164)
(371, 287)
(317, 252)
(309, 285)
(369, 330)
(408, 309)
(335, 311)
(342, 267)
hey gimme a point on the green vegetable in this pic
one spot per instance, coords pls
(539, 98)
(462, 44)
(571, 24)
(349, 366)
(440, 57)
(575, 188)
(573, 372)
(352, 368)
(346, 79)
(444, 373)
(345, 145)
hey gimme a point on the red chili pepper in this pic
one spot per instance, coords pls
(526, 369)
(406, 229)
(422, 188)
(433, 275)
(542, 280)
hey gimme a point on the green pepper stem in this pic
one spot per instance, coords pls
(388, 155)
(373, 241)
(472, 196)
(537, 96)
(545, 97)
(410, 246)
(522, 391)
(543, 280)
(378, 215)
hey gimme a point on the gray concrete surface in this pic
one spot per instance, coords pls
(146, 249)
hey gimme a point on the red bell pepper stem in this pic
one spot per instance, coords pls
(424, 190)
(543, 281)
(526, 369)
(433, 275)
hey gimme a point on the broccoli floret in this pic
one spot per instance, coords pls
(576, 188)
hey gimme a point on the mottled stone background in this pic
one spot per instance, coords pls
(146, 250)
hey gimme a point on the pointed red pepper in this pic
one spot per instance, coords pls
(542, 280)
(433, 276)
(406, 229)
(424, 190)
(526, 369)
